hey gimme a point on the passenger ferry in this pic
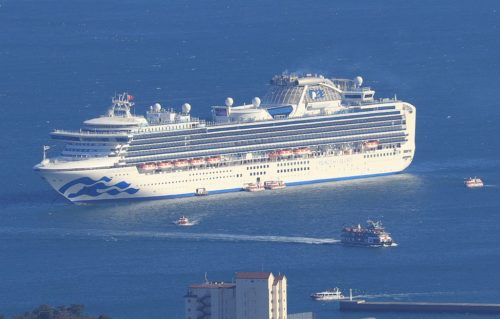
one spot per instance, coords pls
(307, 129)
(373, 234)
(334, 294)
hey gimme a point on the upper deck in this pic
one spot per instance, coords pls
(296, 111)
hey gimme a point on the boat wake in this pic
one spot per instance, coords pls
(403, 295)
(116, 235)
(191, 223)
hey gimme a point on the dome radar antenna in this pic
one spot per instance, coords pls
(256, 101)
(229, 101)
(186, 108)
(358, 80)
(157, 107)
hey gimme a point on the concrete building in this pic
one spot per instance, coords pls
(211, 300)
(254, 295)
(260, 295)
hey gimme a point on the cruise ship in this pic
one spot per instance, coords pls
(306, 129)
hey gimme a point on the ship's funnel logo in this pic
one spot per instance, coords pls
(88, 186)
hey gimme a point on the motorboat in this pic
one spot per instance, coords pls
(253, 187)
(474, 182)
(333, 294)
(272, 185)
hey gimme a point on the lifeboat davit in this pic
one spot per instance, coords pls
(181, 163)
(197, 161)
(285, 153)
(302, 151)
(163, 165)
(213, 160)
(148, 166)
(273, 155)
(371, 144)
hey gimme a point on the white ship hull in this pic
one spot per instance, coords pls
(129, 183)
(308, 129)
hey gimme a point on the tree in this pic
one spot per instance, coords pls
(76, 310)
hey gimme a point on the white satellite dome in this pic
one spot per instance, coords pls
(229, 101)
(157, 107)
(256, 101)
(186, 108)
(358, 80)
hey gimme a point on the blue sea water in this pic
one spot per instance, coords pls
(60, 61)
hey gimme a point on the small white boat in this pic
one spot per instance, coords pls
(183, 221)
(197, 161)
(253, 187)
(201, 192)
(334, 294)
(474, 182)
(272, 185)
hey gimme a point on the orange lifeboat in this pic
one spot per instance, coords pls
(181, 163)
(163, 165)
(285, 153)
(148, 166)
(371, 144)
(302, 151)
(197, 161)
(213, 160)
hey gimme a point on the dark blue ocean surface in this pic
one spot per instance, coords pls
(61, 61)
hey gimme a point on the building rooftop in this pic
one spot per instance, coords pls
(253, 275)
(278, 279)
(213, 285)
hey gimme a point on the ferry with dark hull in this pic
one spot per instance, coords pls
(373, 235)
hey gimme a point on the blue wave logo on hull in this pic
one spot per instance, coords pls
(94, 188)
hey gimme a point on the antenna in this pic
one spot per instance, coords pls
(45, 149)
(350, 294)
(206, 279)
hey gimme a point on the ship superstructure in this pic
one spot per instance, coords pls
(306, 129)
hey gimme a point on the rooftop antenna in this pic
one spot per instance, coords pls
(206, 279)
(350, 294)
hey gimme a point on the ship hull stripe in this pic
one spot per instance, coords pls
(232, 190)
